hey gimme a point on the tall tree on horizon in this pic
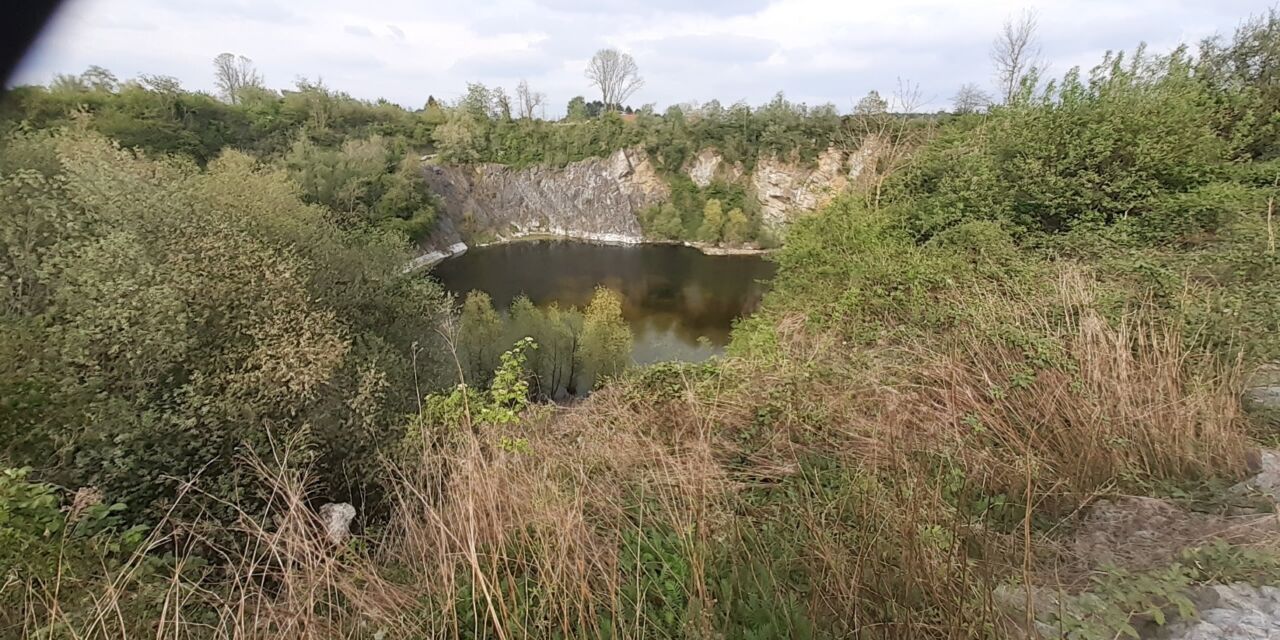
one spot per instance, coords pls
(1016, 54)
(528, 100)
(616, 75)
(232, 74)
(971, 98)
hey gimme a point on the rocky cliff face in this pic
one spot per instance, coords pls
(596, 199)
(785, 189)
(601, 198)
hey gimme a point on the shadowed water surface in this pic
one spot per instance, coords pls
(680, 302)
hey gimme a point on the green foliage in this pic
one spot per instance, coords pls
(606, 338)
(1116, 596)
(737, 227)
(1241, 75)
(662, 222)
(501, 403)
(46, 545)
(1108, 149)
(175, 320)
(693, 213)
(860, 272)
(1107, 609)
(655, 580)
(554, 368)
(480, 333)
(712, 227)
(364, 182)
(578, 350)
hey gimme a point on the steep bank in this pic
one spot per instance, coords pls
(600, 199)
(597, 199)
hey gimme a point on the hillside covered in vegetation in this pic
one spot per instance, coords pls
(1034, 318)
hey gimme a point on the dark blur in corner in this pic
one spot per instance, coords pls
(22, 22)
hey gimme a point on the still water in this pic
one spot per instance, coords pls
(680, 302)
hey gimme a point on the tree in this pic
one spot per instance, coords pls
(1016, 54)
(524, 320)
(563, 340)
(528, 101)
(577, 109)
(712, 228)
(970, 99)
(501, 104)
(99, 79)
(737, 227)
(885, 141)
(616, 75)
(458, 139)
(232, 74)
(606, 338)
(871, 104)
(193, 313)
(480, 333)
(478, 102)
(662, 222)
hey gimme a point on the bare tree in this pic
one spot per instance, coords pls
(1016, 54)
(971, 99)
(617, 76)
(501, 104)
(528, 100)
(232, 74)
(880, 141)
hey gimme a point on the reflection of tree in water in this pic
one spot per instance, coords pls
(671, 295)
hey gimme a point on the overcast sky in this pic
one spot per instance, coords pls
(816, 51)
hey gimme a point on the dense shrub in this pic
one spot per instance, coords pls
(171, 320)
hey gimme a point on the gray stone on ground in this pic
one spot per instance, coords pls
(337, 517)
(1242, 612)
(1267, 478)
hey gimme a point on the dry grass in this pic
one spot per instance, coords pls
(879, 493)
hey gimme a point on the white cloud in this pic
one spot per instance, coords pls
(814, 50)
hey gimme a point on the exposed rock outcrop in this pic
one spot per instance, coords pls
(786, 188)
(600, 199)
(597, 199)
(1237, 611)
(337, 517)
(709, 165)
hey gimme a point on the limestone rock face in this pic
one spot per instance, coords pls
(784, 188)
(595, 199)
(600, 199)
(708, 165)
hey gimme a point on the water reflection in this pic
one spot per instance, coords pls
(679, 302)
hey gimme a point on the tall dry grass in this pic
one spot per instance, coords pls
(871, 492)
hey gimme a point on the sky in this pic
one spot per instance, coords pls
(815, 51)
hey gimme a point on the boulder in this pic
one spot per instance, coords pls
(336, 518)
(1262, 394)
(1266, 466)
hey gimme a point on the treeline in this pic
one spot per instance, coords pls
(357, 158)
(480, 129)
(572, 350)
(362, 159)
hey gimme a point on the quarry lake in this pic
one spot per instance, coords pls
(680, 302)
